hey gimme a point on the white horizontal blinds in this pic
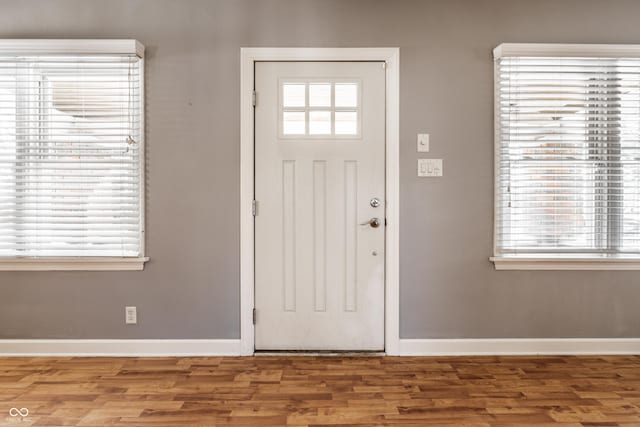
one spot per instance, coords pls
(568, 164)
(70, 129)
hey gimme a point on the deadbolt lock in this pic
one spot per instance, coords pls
(375, 202)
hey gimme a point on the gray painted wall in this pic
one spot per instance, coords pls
(449, 289)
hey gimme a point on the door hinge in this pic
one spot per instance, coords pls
(254, 207)
(253, 98)
(254, 316)
(384, 66)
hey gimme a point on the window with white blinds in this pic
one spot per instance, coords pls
(70, 155)
(567, 154)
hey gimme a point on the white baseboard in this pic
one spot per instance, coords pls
(118, 348)
(518, 346)
(232, 347)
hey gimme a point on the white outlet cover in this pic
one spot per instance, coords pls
(423, 143)
(131, 315)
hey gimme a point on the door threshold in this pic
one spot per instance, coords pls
(321, 353)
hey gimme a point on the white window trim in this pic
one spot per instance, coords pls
(71, 47)
(556, 261)
(558, 49)
(79, 47)
(73, 264)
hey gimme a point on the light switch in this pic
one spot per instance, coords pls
(429, 167)
(423, 142)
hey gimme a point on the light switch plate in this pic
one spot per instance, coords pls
(423, 143)
(429, 167)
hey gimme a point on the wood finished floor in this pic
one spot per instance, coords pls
(322, 391)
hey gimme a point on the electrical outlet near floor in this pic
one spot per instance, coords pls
(131, 315)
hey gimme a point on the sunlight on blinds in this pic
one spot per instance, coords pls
(568, 155)
(70, 179)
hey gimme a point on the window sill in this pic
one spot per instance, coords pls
(564, 262)
(72, 264)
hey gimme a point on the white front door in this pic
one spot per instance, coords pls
(319, 187)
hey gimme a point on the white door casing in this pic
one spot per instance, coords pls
(319, 272)
(249, 57)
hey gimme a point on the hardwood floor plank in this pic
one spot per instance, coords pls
(490, 391)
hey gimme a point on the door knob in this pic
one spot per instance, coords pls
(373, 222)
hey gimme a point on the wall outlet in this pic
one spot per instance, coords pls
(131, 315)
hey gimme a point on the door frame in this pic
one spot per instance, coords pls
(251, 55)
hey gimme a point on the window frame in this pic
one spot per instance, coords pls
(85, 47)
(332, 109)
(553, 261)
